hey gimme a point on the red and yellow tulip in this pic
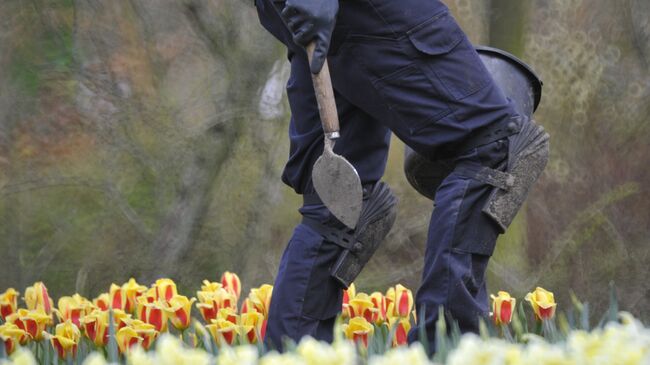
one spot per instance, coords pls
(260, 298)
(117, 297)
(95, 326)
(358, 330)
(399, 301)
(73, 309)
(252, 325)
(223, 331)
(11, 335)
(65, 339)
(348, 294)
(103, 301)
(33, 322)
(156, 315)
(231, 282)
(145, 331)
(402, 328)
(543, 303)
(165, 289)
(210, 302)
(379, 302)
(8, 303)
(132, 290)
(179, 309)
(127, 337)
(362, 306)
(503, 306)
(36, 297)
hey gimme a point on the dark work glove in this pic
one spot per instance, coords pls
(312, 20)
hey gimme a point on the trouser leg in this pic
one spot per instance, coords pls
(305, 298)
(460, 242)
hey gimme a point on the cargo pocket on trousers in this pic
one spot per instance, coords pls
(324, 295)
(448, 54)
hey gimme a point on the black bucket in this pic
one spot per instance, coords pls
(518, 82)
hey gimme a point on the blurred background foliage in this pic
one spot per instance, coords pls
(146, 138)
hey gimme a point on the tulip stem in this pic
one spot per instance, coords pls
(506, 333)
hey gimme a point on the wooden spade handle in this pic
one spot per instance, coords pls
(325, 97)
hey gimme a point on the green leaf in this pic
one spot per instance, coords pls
(422, 330)
(113, 354)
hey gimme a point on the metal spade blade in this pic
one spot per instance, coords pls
(335, 179)
(338, 185)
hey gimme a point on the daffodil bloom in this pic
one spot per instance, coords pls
(95, 326)
(362, 306)
(543, 303)
(358, 330)
(252, 324)
(165, 289)
(103, 301)
(179, 310)
(12, 335)
(223, 331)
(127, 337)
(402, 328)
(231, 282)
(8, 303)
(36, 297)
(132, 290)
(503, 306)
(65, 339)
(401, 299)
(379, 302)
(260, 298)
(145, 331)
(73, 308)
(31, 321)
(156, 315)
(348, 294)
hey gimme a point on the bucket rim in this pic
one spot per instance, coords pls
(532, 75)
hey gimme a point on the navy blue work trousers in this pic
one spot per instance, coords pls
(406, 67)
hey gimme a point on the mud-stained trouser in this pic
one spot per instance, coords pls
(402, 66)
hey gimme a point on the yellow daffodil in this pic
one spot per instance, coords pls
(543, 303)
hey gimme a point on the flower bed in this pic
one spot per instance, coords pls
(155, 325)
